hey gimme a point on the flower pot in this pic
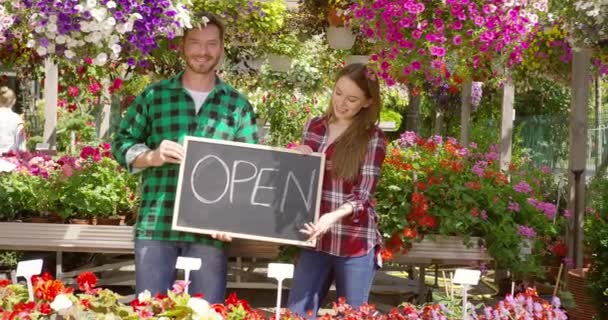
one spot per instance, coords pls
(340, 37)
(110, 221)
(39, 220)
(80, 221)
(357, 59)
(279, 63)
(585, 309)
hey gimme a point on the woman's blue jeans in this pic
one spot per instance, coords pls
(313, 276)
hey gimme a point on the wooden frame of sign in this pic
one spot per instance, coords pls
(248, 191)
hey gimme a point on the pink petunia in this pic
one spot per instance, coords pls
(457, 40)
(437, 51)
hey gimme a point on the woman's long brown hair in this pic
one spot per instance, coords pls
(350, 147)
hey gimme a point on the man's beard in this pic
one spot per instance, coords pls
(203, 68)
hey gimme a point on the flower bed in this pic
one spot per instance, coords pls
(53, 299)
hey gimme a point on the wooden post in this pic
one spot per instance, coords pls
(412, 115)
(465, 113)
(578, 151)
(102, 114)
(51, 80)
(506, 128)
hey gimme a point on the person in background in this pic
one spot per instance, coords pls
(195, 102)
(12, 133)
(347, 234)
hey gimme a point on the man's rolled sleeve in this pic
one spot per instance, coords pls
(133, 130)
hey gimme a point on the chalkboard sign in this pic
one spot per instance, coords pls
(247, 191)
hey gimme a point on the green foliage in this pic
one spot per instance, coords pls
(23, 194)
(98, 188)
(246, 21)
(80, 124)
(9, 258)
(596, 239)
(391, 115)
(283, 44)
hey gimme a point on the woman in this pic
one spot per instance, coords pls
(11, 125)
(346, 232)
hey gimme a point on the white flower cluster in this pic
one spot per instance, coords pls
(592, 16)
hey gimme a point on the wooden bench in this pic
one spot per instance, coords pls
(61, 238)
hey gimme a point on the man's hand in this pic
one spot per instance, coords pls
(222, 236)
(167, 152)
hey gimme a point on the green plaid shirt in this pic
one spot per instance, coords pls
(165, 111)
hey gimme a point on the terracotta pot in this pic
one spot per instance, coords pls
(585, 309)
(39, 220)
(110, 221)
(80, 221)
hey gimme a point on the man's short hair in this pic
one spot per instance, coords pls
(210, 18)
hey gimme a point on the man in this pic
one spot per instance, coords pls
(195, 102)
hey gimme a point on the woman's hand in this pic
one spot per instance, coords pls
(315, 230)
(303, 149)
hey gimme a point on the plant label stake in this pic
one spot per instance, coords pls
(280, 271)
(188, 264)
(27, 269)
(466, 278)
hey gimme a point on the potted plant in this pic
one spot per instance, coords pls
(281, 50)
(92, 186)
(339, 32)
(435, 186)
(360, 51)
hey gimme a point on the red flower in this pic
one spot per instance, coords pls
(387, 255)
(45, 308)
(116, 85)
(220, 309)
(86, 281)
(71, 108)
(409, 233)
(475, 212)
(5, 282)
(428, 221)
(559, 249)
(198, 295)
(94, 87)
(88, 60)
(25, 307)
(86, 303)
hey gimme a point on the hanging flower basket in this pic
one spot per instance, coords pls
(340, 37)
(279, 63)
(356, 59)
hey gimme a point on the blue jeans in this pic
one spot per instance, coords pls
(313, 275)
(155, 268)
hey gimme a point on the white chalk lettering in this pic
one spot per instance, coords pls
(235, 180)
(226, 170)
(307, 199)
(257, 186)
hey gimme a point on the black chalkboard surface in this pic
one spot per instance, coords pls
(247, 191)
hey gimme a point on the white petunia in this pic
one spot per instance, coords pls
(69, 54)
(61, 302)
(121, 28)
(41, 51)
(99, 14)
(53, 19)
(116, 48)
(111, 4)
(60, 39)
(51, 27)
(198, 305)
(101, 59)
(113, 39)
(79, 8)
(91, 3)
(30, 43)
(110, 22)
(51, 48)
(144, 296)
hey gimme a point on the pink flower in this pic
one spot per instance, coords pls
(438, 51)
(527, 232)
(567, 214)
(514, 206)
(437, 64)
(416, 65)
(522, 187)
(73, 91)
(456, 25)
(457, 40)
(416, 34)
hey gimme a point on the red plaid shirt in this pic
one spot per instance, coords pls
(356, 234)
